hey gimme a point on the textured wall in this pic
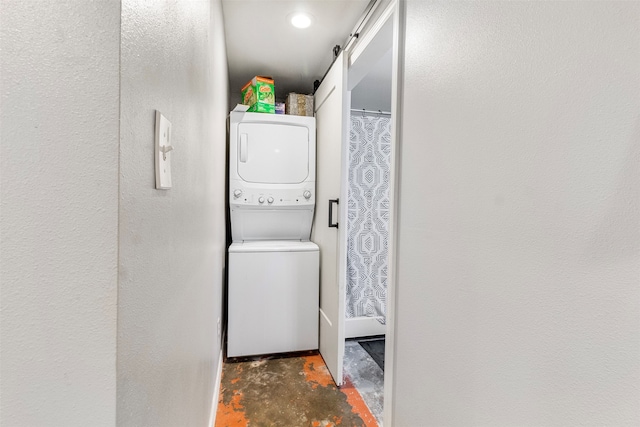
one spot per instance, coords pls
(519, 245)
(59, 211)
(172, 242)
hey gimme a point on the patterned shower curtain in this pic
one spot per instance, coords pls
(368, 215)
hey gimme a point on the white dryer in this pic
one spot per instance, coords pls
(273, 267)
(272, 176)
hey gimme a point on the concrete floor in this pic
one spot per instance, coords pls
(289, 392)
(366, 376)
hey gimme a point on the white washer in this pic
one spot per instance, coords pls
(273, 297)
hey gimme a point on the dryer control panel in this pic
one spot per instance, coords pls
(272, 197)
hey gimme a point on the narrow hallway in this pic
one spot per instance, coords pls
(288, 391)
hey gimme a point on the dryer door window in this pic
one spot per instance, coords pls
(273, 153)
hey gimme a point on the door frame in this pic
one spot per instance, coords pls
(394, 13)
(397, 79)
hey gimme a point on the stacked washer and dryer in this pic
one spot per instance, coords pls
(273, 295)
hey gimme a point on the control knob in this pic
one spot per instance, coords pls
(270, 200)
(237, 193)
(307, 194)
(261, 199)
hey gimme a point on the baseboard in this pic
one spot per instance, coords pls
(355, 327)
(216, 393)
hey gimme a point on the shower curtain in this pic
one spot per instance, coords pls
(368, 215)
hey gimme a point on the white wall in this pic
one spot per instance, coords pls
(79, 207)
(59, 211)
(373, 92)
(519, 235)
(172, 243)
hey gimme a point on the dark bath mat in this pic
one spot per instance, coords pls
(375, 348)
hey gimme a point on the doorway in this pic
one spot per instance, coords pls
(368, 216)
(363, 74)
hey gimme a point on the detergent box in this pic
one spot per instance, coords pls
(260, 95)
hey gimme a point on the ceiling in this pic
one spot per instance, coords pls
(261, 41)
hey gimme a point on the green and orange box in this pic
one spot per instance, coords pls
(260, 95)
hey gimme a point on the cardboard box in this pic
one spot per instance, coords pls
(299, 105)
(260, 95)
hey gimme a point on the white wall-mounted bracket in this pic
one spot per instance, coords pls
(163, 148)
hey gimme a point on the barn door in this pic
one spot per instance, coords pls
(329, 232)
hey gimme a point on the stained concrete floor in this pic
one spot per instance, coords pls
(289, 392)
(366, 376)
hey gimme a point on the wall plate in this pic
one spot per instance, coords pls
(163, 152)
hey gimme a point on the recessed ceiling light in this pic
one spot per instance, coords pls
(300, 20)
